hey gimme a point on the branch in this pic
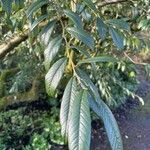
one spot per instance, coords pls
(32, 95)
(7, 47)
(102, 4)
(135, 62)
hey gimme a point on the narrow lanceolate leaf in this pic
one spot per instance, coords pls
(102, 110)
(81, 50)
(67, 105)
(19, 2)
(47, 31)
(102, 28)
(82, 36)
(52, 50)
(37, 21)
(86, 82)
(99, 59)
(74, 17)
(117, 37)
(113, 133)
(35, 6)
(119, 23)
(79, 133)
(6, 5)
(54, 75)
(90, 4)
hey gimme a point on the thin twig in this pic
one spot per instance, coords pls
(138, 63)
(100, 4)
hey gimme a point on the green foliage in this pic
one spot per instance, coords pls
(83, 44)
(28, 128)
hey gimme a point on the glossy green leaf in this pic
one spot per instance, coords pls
(37, 21)
(90, 4)
(67, 104)
(19, 2)
(74, 17)
(98, 59)
(117, 37)
(52, 50)
(79, 131)
(102, 28)
(86, 82)
(81, 50)
(47, 31)
(54, 75)
(102, 110)
(119, 23)
(144, 24)
(82, 36)
(112, 129)
(35, 6)
(7, 6)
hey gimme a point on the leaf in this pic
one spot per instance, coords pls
(102, 28)
(86, 82)
(47, 31)
(83, 36)
(90, 4)
(98, 59)
(86, 53)
(79, 133)
(117, 37)
(52, 50)
(102, 110)
(67, 105)
(7, 6)
(113, 133)
(74, 17)
(81, 50)
(144, 24)
(119, 23)
(37, 21)
(19, 2)
(86, 15)
(35, 6)
(54, 75)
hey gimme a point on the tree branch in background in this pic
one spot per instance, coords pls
(110, 2)
(7, 47)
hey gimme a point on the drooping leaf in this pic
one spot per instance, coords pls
(79, 133)
(54, 75)
(90, 4)
(19, 2)
(98, 59)
(117, 37)
(83, 36)
(47, 31)
(144, 24)
(119, 23)
(81, 50)
(102, 110)
(7, 6)
(35, 6)
(86, 82)
(37, 21)
(74, 17)
(112, 129)
(52, 50)
(102, 28)
(86, 15)
(67, 105)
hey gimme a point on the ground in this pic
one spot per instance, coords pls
(133, 120)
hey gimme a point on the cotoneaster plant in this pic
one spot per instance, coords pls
(79, 38)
